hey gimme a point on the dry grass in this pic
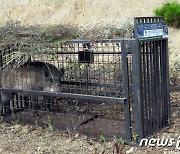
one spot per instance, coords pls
(19, 43)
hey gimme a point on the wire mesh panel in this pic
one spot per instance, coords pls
(84, 84)
(93, 71)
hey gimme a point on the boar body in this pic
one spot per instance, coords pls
(38, 76)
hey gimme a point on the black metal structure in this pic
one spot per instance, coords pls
(111, 87)
(151, 81)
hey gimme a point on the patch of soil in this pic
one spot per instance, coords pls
(24, 138)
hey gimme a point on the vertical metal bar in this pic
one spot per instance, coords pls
(158, 88)
(103, 67)
(156, 83)
(162, 87)
(136, 65)
(148, 86)
(152, 85)
(125, 78)
(137, 91)
(1, 65)
(17, 101)
(136, 21)
(166, 82)
(144, 90)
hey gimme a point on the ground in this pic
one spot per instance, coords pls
(21, 139)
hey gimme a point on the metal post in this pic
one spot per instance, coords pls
(1, 65)
(166, 76)
(136, 65)
(125, 77)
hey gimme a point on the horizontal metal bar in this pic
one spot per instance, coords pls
(149, 17)
(140, 20)
(100, 41)
(94, 53)
(83, 83)
(76, 52)
(65, 95)
(151, 39)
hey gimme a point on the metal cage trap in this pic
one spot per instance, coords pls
(107, 87)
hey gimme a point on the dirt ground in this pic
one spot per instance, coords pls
(21, 139)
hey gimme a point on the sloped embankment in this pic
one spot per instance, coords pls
(83, 13)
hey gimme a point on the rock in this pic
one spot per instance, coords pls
(25, 129)
(38, 149)
(1, 150)
(130, 151)
(77, 135)
(94, 150)
(17, 127)
(85, 137)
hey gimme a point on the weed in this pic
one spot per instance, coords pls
(102, 138)
(43, 141)
(135, 137)
(121, 140)
(49, 124)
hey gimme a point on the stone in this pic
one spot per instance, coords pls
(130, 151)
